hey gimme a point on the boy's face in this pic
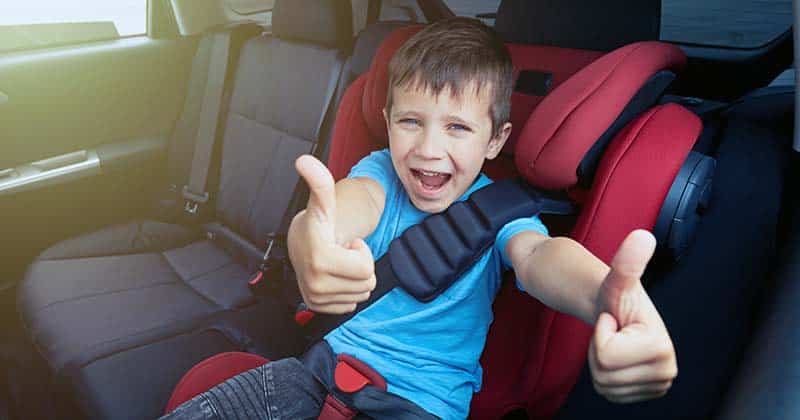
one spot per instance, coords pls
(438, 143)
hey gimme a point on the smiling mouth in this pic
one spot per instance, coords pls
(430, 181)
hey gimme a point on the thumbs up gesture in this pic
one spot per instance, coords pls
(631, 356)
(332, 277)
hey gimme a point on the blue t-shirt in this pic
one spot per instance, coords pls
(427, 352)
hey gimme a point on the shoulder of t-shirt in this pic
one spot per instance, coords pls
(514, 227)
(378, 167)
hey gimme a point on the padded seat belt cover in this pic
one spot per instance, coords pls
(429, 257)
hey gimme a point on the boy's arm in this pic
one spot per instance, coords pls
(631, 355)
(334, 267)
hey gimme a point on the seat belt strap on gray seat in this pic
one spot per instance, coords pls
(275, 257)
(195, 191)
(330, 92)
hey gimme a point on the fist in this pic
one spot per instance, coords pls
(631, 355)
(332, 277)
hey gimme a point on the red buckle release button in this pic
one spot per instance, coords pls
(257, 278)
(303, 317)
(348, 379)
(352, 375)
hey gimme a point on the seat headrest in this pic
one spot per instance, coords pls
(195, 17)
(581, 24)
(564, 127)
(569, 121)
(322, 22)
(377, 82)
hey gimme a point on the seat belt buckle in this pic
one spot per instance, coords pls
(269, 265)
(303, 315)
(352, 375)
(193, 200)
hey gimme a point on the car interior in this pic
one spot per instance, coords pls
(144, 179)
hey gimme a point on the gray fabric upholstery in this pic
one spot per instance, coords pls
(137, 301)
(274, 112)
(133, 237)
(107, 291)
(70, 306)
(322, 22)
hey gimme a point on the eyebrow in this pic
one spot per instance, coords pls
(459, 120)
(402, 113)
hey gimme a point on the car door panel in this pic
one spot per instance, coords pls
(83, 134)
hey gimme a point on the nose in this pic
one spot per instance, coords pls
(430, 146)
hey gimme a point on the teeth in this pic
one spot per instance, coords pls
(427, 173)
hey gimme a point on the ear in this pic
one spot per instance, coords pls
(385, 116)
(497, 142)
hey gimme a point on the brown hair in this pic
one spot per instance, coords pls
(454, 53)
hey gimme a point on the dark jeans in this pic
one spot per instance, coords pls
(291, 389)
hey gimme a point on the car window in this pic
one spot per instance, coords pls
(726, 23)
(401, 10)
(483, 9)
(40, 23)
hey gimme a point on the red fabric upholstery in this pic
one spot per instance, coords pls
(635, 175)
(562, 63)
(377, 83)
(632, 181)
(210, 372)
(569, 120)
(351, 140)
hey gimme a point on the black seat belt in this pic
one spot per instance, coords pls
(429, 257)
(194, 192)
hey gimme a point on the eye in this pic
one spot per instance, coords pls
(459, 128)
(409, 122)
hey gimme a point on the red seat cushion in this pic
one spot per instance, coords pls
(210, 372)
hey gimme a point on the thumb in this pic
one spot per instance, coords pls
(322, 190)
(624, 278)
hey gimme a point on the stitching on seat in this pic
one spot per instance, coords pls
(77, 298)
(198, 324)
(189, 279)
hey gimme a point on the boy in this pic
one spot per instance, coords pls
(447, 111)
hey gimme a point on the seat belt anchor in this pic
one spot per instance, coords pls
(193, 200)
(262, 268)
(273, 267)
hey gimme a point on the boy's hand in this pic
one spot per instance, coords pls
(631, 355)
(332, 277)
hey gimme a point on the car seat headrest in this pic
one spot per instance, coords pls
(323, 22)
(195, 17)
(566, 134)
(377, 82)
(590, 25)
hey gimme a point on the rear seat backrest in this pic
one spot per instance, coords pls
(278, 101)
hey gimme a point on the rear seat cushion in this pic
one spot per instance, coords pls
(130, 238)
(74, 307)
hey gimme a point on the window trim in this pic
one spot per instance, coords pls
(55, 45)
